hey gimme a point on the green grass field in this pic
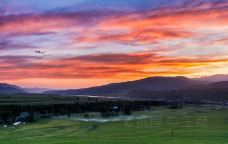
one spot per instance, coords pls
(189, 125)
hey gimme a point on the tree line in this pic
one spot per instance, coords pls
(10, 113)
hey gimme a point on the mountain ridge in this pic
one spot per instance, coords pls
(7, 88)
(214, 78)
(150, 83)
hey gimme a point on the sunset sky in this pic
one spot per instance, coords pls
(83, 43)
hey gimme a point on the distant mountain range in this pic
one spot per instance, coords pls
(162, 88)
(11, 89)
(151, 83)
(6, 88)
(35, 90)
(159, 88)
(214, 78)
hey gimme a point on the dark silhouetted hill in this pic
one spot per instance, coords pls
(120, 89)
(6, 88)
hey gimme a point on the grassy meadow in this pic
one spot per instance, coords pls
(189, 125)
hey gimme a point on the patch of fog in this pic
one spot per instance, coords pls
(104, 119)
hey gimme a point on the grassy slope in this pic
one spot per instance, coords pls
(187, 130)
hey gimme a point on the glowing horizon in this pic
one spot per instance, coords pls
(83, 43)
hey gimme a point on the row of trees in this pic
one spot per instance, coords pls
(10, 113)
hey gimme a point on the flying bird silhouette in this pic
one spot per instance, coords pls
(39, 52)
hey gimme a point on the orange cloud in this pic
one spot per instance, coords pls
(203, 25)
(153, 26)
(110, 66)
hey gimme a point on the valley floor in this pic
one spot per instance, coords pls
(189, 125)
